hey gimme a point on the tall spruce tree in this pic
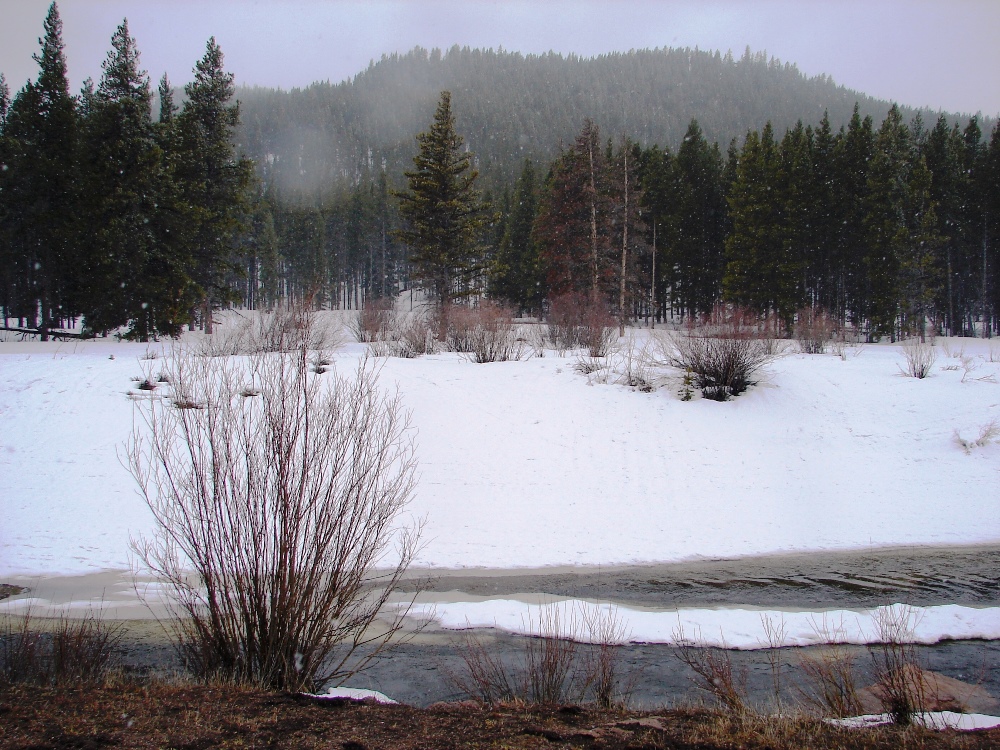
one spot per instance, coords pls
(852, 156)
(443, 211)
(573, 229)
(885, 222)
(131, 268)
(41, 190)
(516, 274)
(214, 181)
(761, 271)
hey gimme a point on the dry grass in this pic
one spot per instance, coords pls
(197, 716)
(58, 651)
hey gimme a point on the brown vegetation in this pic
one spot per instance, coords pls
(187, 716)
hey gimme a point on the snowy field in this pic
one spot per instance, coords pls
(531, 464)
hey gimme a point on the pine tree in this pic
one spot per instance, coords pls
(516, 276)
(443, 211)
(852, 156)
(133, 273)
(213, 180)
(761, 273)
(41, 189)
(885, 222)
(573, 228)
(698, 210)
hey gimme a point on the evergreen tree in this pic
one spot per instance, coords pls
(852, 156)
(573, 228)
(761, 272)
(696, 248)
(213, 180)
(516, 275)
(885, 222)
(131, 267)
(444, 213)
(41, 189)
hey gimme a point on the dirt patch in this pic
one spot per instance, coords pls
(184, 716)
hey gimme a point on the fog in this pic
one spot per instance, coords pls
(935, 53)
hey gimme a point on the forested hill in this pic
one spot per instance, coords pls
(510, 106)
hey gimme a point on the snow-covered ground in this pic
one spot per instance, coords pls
(532, 464)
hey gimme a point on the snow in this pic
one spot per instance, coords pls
(354, 694)
(732, 627)
(530, 464)
(931, 720)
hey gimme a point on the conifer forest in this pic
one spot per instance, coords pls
(662, 182)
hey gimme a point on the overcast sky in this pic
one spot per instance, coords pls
(938, 53)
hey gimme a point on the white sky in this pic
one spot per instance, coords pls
(938, 53)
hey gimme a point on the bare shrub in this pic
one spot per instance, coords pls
(486, 332)
(549, 655)
(776, 635)
(495, 337)
(565, 319)
(713, 670)
(898, 682)
(814, 329)
(457, 325)
(283, 329)
(570, 654)
(272, 512)
(578, 320)
(723, 352)
(376, 321)
(625, 363)
(536, 336)
(416, 336)
(831, 674)
(988, 433)
(919, 358)
(60, 651)
(606, 634)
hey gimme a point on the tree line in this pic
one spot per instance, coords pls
(108, 216)
(887, 229)
(127, 222)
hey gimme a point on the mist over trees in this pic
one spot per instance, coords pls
(663, 182)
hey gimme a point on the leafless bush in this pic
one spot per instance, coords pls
(536, 336)
(486, 332)
(549, 655)
(814, 329)
(898, 682)
(919, 358)
(62, 651)
(776, 635)
(606, 634)
(625, 363)
(376, 321)
(283, 329)
(457, 325)
(578, 320)
(713, 670)
(988, 433)
(411, 336)
(274, 502)
(723, 352)
(569, 654)
(495, 337)
(830, 671)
